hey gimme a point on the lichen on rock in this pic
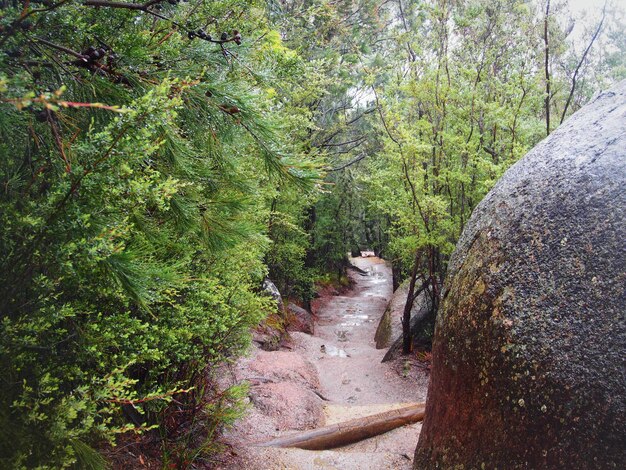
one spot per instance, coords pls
(530, 343)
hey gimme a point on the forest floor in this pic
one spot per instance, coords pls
(329, 377)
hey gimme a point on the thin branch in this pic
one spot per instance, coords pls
(145, 7)
(367, 111)
(421, 289)
(350, 122)
(404, 163)
(61, 48)
(59, 141)
(406, 28)
(11, 29)
(382, 118)
(128, 6)
(87, 171)
(46, 53)
(351, 162)
(582, 60)
(358, 139)
(347, 150)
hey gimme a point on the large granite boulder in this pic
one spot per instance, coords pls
(530, 343)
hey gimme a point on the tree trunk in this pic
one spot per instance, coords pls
(547, 66)
(408, 306)
(309, 227)
(341, 434)
(396, 274)
(418, 321)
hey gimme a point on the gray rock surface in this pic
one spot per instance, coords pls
(389, 332)
(390, 324)
(530, 343)
(272, 290)
(302, 319)
(420, 321)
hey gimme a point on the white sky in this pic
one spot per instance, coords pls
(587, 14)
(592, 5)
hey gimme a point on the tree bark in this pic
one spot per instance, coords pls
(408, 306)
(396, 273)
(547, 66)
(417, 323)
(341, 434)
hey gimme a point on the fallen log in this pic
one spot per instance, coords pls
(348, 432)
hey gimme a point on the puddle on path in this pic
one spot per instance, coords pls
(335, 352)
(354, 319)
(374, 273)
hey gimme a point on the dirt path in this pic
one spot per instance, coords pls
(340, 363)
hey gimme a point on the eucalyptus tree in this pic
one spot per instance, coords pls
(461, 95)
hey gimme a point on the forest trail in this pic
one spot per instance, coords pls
(350, 377)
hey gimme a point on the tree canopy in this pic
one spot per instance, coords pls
(159, 160)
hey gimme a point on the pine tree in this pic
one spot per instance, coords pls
(138, 145)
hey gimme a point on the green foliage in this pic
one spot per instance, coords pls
(457, 91)
(135, 221)
(151, 177)
(286, 260)
(431, 102)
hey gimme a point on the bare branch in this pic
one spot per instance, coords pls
(128, 6)
(351, 162)
(358, 139)
(348, 149)
(582, 60)
(60, 48)
(382, 118)
(350, 122)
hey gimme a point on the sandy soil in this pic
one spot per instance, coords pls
(333, 376)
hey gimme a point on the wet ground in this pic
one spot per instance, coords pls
(351, 382)
(350, 369)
